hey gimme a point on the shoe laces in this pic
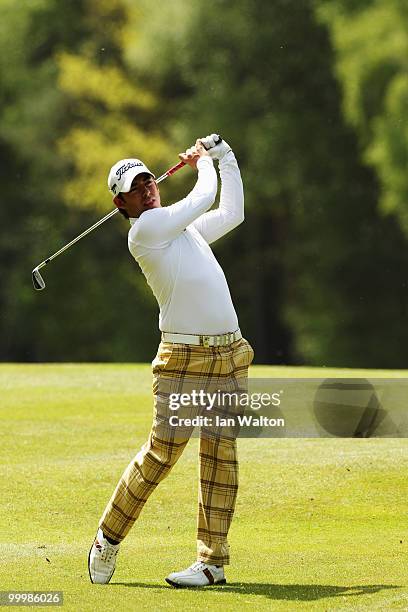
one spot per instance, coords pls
(109, 552)
(198, 565)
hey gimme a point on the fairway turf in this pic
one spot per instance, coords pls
(320, 524)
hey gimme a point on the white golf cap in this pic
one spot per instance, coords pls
(122, 174)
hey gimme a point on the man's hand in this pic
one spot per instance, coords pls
(216, 151)
(193, 154)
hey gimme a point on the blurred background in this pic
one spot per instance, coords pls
(313, 98)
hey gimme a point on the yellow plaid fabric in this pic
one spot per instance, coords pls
(180, 368)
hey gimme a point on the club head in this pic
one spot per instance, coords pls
(38, 280)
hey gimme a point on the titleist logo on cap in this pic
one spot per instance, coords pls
(121, 171)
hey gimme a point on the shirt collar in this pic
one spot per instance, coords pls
(132, 220)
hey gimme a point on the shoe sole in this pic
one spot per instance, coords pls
(194, 586)
(89, 569)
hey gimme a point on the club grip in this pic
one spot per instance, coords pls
(174, 169)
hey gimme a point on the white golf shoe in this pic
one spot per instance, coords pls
(197, 575)
(102, 559)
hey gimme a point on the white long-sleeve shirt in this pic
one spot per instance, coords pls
(171, 246)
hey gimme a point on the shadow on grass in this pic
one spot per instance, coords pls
(292, 592)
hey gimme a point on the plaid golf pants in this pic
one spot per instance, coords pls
(180, 368)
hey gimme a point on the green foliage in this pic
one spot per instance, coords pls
(111, 113)
(388, 150)
(311, 95)
(313, 248)
(72, 319)
(372, 46)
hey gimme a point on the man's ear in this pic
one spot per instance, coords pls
(118, 201)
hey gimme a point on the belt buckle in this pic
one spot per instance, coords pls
(224, 338)
(205, 341)
(221, 340)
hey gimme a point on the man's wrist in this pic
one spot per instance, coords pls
(227, 157)
(204, 159)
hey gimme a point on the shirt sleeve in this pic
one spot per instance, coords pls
(230, 213)
(161, 225)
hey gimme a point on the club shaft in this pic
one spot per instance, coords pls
(161, 178)
(90, 229)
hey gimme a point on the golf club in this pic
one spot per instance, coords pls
(38, 280)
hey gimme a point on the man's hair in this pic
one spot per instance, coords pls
(122, 210)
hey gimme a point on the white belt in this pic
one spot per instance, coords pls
(219, 340)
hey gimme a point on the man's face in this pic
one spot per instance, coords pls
(143, 195)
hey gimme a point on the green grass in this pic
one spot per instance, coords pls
(320, 524)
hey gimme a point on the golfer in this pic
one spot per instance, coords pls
(201, 341)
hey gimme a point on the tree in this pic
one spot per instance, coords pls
(314, 249)
(317, 272)
(58, 69)
(371, 41)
